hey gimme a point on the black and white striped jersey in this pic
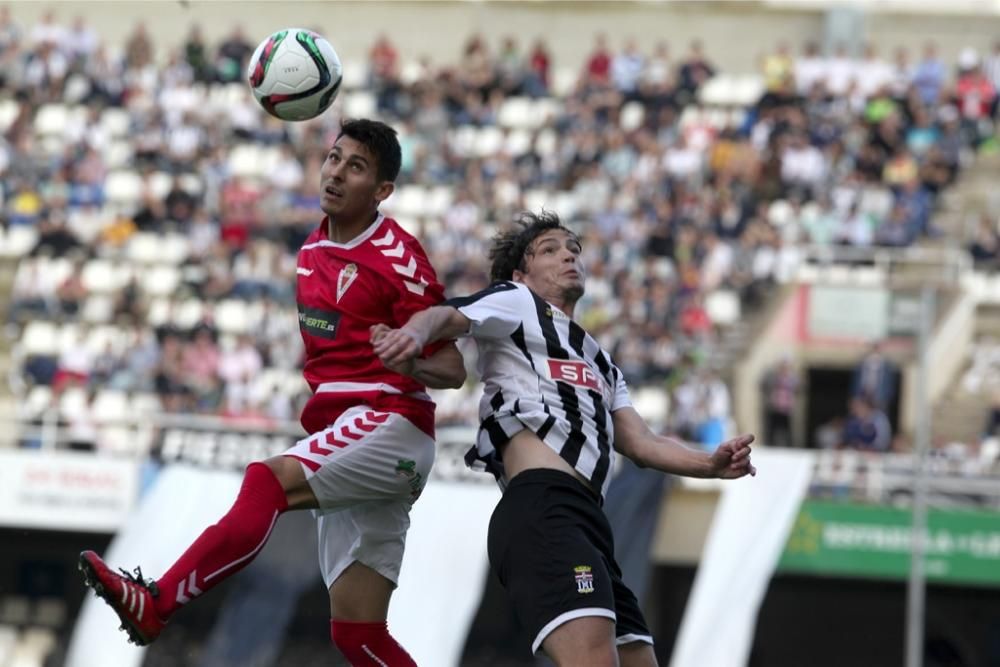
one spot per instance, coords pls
(543, 372)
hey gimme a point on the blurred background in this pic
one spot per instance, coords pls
(790, 218)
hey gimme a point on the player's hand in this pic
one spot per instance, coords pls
(396, 346)
(376, 331)
(732, 459)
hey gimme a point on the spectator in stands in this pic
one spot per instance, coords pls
(694, 71)
(991, 429)
(138, 48)
(597, 71)
(196, 55)
(626, 70)
(876, 378)
(867, 428)
(231, 59)
(781, 392)
(80, 42)
(539, 64)
(975, 95)
(929, 75)
(985, 246)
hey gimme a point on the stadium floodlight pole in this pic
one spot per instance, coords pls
(916, 590)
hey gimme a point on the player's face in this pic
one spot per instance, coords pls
(349, 185)
(553, 268)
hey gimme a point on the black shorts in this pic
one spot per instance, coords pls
(552, 549)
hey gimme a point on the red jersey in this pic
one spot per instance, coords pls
(382, 276)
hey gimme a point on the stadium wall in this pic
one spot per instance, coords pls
(734, 33)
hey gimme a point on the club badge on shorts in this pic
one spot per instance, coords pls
(345, 278)
(584, 579)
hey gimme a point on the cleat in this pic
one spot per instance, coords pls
(129, 595)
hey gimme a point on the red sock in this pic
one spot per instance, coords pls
(369, 645)
(227, 547)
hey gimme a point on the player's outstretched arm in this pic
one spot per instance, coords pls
(634, 439)
(397, 346)
(445, 369)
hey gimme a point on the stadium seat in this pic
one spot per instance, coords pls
(160, 280)
(143, 404)
(869, 276)
(518, 143)
(564, 80)
(159, 312)
(117, 154)
(9, 111)
(408, 200)
(33, 649)
(231, 316)
(8, 642)
(489, 140)
(110, 406)
(438, 200)
(38, 400)
(546, 142)
(159, 184)
(144, 248)
(51, 120)
(15, 610)
(723, 307)
(245, 160)
(116, 122)
(73, 403)
(653, 403)
(18, 240)
(517, 112)
(39, 337)
(748, 90)
(188, 313)
(103, 276)
(355, 74)
(631, 116)
(360, 104)
(463, 140)
(410, 72)
(123, 188)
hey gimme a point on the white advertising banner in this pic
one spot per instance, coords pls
(60, 490)
(748, 534)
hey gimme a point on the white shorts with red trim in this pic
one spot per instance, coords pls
(366, 470)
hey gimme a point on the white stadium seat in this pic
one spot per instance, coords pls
(518, 143)
(231, 316)
(123, 187)
(18, 240)
(51, 120)
(723, 306)
(9, 111)
(355, 74)
(144, 248)
(188, 313)
(631, 116)
(39, 337)
(160, 280)
(516, 112)
(110, 406)
(488, 141)
(359, 104)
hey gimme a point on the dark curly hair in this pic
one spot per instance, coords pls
(378, 138)
(510, 248)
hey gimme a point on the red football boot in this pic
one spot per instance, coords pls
(129, 595)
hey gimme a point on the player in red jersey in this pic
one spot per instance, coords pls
(370, 447)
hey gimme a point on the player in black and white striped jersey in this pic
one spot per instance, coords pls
(554, 411)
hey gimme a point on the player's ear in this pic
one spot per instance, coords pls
(517, 276)
(383, 190)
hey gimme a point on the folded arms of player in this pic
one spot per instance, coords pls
(400, 349)
(634, 439)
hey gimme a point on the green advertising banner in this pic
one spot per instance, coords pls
(874, 541)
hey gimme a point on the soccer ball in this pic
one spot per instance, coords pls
(295, 74)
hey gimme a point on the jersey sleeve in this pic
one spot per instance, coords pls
(416, 292)
(495, 312)
(620, 399)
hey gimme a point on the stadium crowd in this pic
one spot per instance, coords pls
(684, 182)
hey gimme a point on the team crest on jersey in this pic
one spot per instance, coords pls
(345, 278)
(584, 579)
